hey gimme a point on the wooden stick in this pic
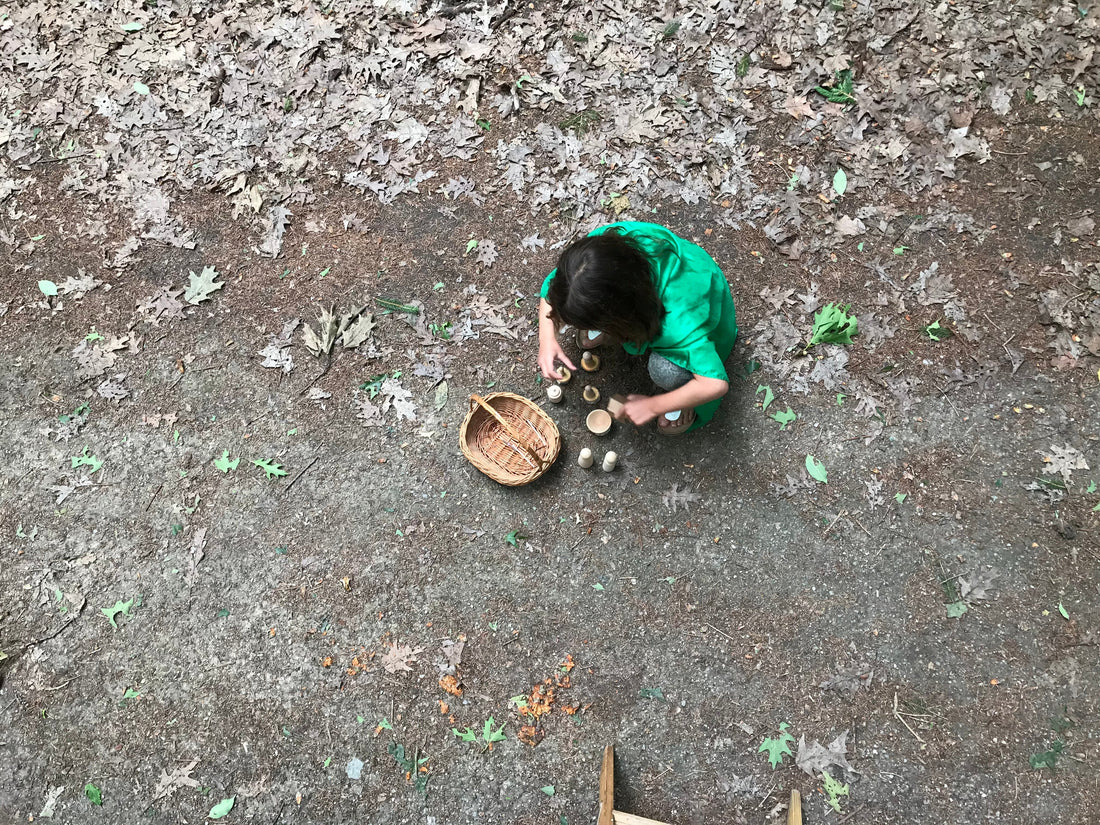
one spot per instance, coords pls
(794, 810)
(621, 818)
(607, 787)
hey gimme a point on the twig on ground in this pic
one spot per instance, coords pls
(861, 527)
(839, 516)
(849, 815)
(720, 633)
(900, 719)
(300, 474)
(155, 494)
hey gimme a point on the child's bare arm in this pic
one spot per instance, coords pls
(641, 409)
(550, 351)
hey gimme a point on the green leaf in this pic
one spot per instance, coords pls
(840, 181)
(1091, 488)
(397, 751)
(141, 88)
(652, 693)
(385, 725)
(222, 808)
(778, 747)
(130, 694)
(1062, 610)
(840, 399)
(202, 286)
(833, 325)
(900, 250)
(597, 586)
(937, 332)
(841, 90)
(1048, 759)
(470, 246)
(514, 537)
(270, 467)
(784, 418)
(441, 393)
(84, 459)
(956, 609)
(466, 735)
(900, 497)
(769, 396)
(223, 613)
(547, 789)
(834, 789)
(224, 464)
(48, 288)
(119, 607)
(94, 794)
(489, 735)
(133, 27)
(816, 469)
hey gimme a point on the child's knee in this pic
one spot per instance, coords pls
(665, 374)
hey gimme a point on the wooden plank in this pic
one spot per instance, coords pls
(607, 787)
(794, 811)
(621, 818)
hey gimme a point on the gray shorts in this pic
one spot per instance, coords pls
(665, 374)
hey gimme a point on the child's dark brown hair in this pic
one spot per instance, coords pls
(605, 282)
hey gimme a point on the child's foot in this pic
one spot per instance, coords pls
(592, 338)
(675, 423)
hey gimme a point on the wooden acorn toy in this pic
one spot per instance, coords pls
(590, 362)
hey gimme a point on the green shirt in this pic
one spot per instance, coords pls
(700, 325)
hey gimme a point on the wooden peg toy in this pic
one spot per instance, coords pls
(564, 374)
(609, 461)
(590, 362)
(585, 458)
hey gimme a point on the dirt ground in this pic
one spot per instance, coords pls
(316, 641)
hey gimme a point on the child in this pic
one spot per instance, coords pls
(640, 285)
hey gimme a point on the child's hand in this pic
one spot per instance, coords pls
(550, 352)
(638, 410)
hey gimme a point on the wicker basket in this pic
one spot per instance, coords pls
(509, 438)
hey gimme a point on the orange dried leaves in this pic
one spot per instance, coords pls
(451, 685)
(540, 702)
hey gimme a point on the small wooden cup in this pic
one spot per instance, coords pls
(598, 422)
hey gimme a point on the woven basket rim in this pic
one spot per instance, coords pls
(488, 405)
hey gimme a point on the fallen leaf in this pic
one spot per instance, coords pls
(814, 758)
(400, 657)
(223, 808)
(200, 287)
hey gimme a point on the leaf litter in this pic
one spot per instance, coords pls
(912, 150)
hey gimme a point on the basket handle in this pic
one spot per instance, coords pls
(539, 460)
